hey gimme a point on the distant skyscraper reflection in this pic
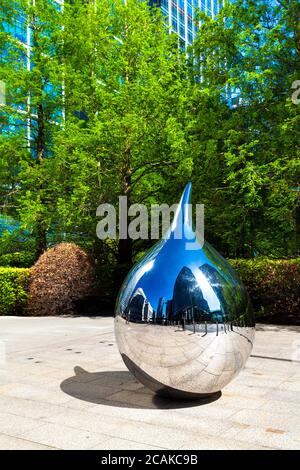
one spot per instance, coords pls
(188, 304)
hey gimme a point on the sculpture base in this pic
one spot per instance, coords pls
(161, 389)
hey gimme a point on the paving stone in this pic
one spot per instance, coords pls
(265, 419)
(143, 432)
(15, 443)
(124, 444)
(60, 399)
(16, 425)
(206, 443)
(28, 408)
(64, 437)
(263, 437)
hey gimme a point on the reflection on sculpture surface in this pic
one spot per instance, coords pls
(184, 322)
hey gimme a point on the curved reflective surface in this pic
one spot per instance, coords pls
(184, 322)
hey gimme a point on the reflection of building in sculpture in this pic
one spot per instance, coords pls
(188, 301)
(169, 310)
(216, 281)
(161, 310)
(192, 302)
(139, 309)
(187, 305)
(136, 274)
(164, 310)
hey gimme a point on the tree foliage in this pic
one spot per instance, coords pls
(251, 154)
(115, 108)
(33, 78)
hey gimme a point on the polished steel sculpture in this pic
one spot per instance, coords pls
(184, 322)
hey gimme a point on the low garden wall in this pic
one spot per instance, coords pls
(274, 287)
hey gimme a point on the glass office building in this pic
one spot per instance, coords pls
(19, 29)
(181, 15)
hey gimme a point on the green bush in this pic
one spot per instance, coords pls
(273, 286)
(13, 290)
(20, 259)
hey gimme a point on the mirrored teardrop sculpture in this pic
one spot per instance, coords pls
(183, 321)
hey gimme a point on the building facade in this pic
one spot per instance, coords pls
(21, 30)
(181, 15)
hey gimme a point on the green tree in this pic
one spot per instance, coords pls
(32, 112)
(127, 108)
(111, 107)
(248, 58)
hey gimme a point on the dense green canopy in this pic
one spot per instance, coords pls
(116, 108)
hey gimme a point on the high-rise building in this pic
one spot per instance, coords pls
(181, 15)
(21, 30)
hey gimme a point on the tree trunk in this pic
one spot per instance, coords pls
(41, 229)
(297, 227)
(124, 255)
(41, 240)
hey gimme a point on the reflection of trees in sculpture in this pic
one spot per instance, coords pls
(231, 293)
(228, 276)
(232, 296)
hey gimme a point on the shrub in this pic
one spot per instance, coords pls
(20, 259)
(273, 286)
(13, 290)
(60, 278)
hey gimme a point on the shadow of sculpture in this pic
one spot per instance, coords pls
(121, 389)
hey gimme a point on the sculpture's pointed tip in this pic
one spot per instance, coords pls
(185, 204)
(187, 194)
(183, 215)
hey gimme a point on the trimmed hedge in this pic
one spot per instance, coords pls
(13, 290)
(274, 287)
(19, 259)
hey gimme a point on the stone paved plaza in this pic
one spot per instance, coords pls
(63, 385)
